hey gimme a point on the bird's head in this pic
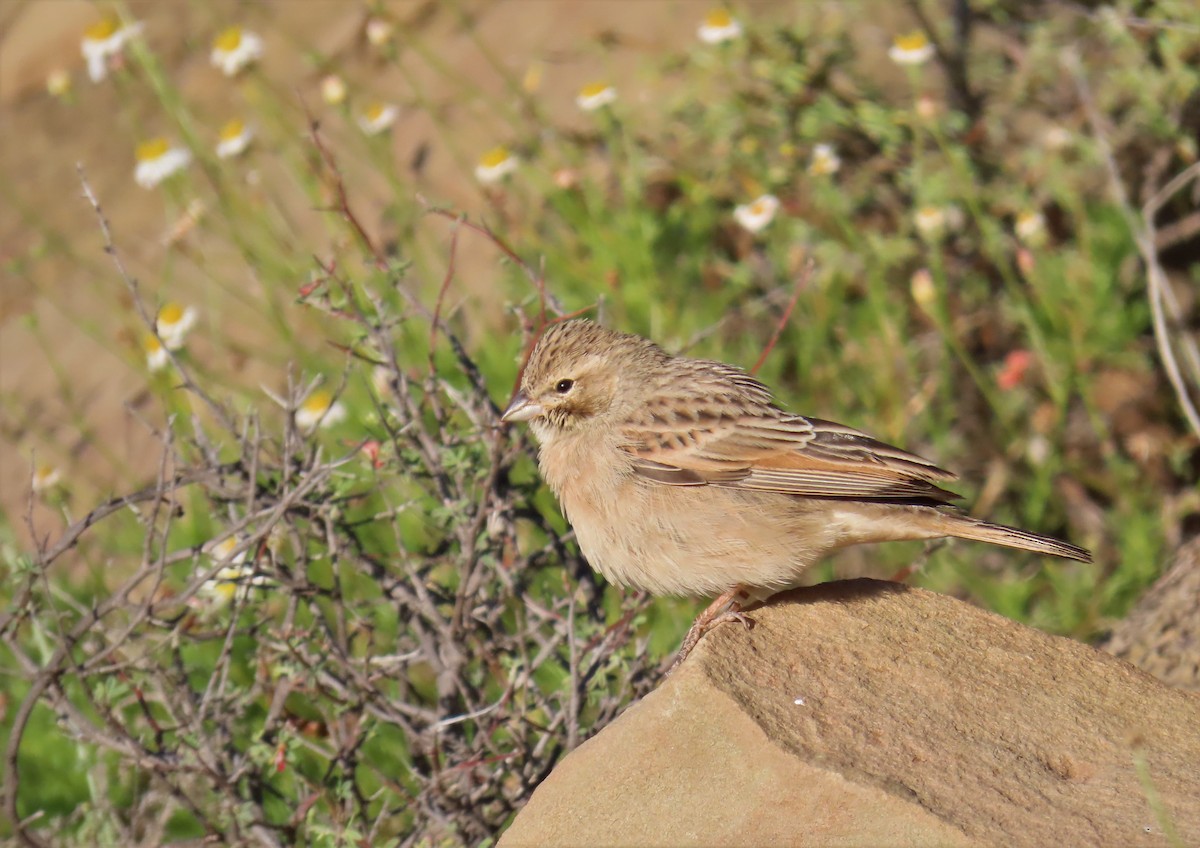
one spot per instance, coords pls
(579, 373)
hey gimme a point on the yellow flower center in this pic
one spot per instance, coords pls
(318, 402)
(532, 80)
(760, 207)
(172, 313)
(594, 89)
(824, 161)
(229, 40)
(718, 19)
(58, 82)
(225, 548)
(153, 149)
(494, 158)
(375, 111)
(225, 588)
(151, 344)
(912, 42)
(102, 30)
(233, 129)
(44, 472)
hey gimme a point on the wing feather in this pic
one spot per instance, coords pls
(729, 434)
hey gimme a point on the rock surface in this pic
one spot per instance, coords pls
(1161, 635)
(869, 713)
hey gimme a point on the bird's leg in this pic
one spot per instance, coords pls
(727, 607)
(905, 573)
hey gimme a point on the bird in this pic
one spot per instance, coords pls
(683, 477)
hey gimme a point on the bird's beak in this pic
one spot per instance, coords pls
(521, 408)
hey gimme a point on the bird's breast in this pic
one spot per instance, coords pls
(674, 540)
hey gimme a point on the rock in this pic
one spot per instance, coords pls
(870, 713)
(1161, 636)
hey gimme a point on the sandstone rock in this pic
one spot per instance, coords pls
(869, 713)
(1161, 635)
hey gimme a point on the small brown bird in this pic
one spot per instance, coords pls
(682, 477)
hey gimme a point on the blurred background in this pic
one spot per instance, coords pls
(463, 80)
(342, 223)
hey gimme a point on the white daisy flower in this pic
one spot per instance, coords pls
(45, 478)
(233, 579)
(333, 90)
(824, 160)
(379, 31)
(319, 410)
(377, 118)
(157, 160)
(719, 26)
(932, 222)
(173, 323)
(1030, 228)
(495, 165)
(595, 96)
(218, 592)
(103, 41)
(156, 355)
(234, 139)
(235, 49)
(911, 49)
(756, 215)
(220, 551)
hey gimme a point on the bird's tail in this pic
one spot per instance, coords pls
(1010, 537)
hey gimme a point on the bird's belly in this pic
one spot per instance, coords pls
(694, 541)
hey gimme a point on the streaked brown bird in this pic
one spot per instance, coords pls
(682, 477)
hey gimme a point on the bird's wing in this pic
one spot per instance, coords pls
(728, 434)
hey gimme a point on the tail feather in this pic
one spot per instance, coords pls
(1011, 537)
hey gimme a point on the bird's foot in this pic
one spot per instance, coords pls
(727, 607)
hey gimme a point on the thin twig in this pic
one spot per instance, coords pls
(135, 293)
(446, 281)
(799, 286)
(1142, 228)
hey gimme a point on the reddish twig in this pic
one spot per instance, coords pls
(501, 245)
(801, 282)
(437, 307)
(538, 278)
(339, 185)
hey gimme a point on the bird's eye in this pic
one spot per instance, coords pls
(564, 386)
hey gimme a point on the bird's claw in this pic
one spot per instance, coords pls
(710, 619)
